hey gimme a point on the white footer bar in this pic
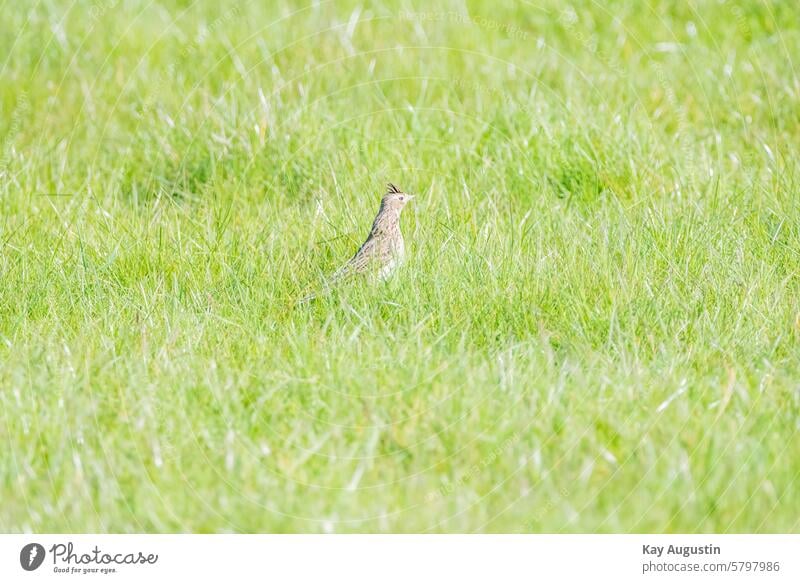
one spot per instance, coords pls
(401, 558)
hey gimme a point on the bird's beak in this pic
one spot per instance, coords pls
(411, 196)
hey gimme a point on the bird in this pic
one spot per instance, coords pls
(384, 249)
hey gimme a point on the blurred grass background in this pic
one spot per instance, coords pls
(596, 330)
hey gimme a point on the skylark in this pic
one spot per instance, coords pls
(384, 250)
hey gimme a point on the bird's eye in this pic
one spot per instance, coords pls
(402, 198)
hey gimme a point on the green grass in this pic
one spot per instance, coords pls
(597, 329)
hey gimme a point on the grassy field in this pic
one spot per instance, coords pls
(597, 328)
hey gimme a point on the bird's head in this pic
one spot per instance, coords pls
(395, 198)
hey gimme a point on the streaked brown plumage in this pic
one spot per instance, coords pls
(384, 249)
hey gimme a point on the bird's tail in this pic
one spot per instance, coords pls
(308, 298)
(315, 294)
(341, 274)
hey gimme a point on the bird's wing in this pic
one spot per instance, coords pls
(359, 262)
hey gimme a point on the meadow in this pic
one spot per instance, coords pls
(597, 328)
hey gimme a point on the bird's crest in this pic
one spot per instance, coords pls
(392, 189)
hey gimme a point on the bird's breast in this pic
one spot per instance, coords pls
(399, 246)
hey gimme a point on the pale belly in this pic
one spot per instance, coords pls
(397, 258)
